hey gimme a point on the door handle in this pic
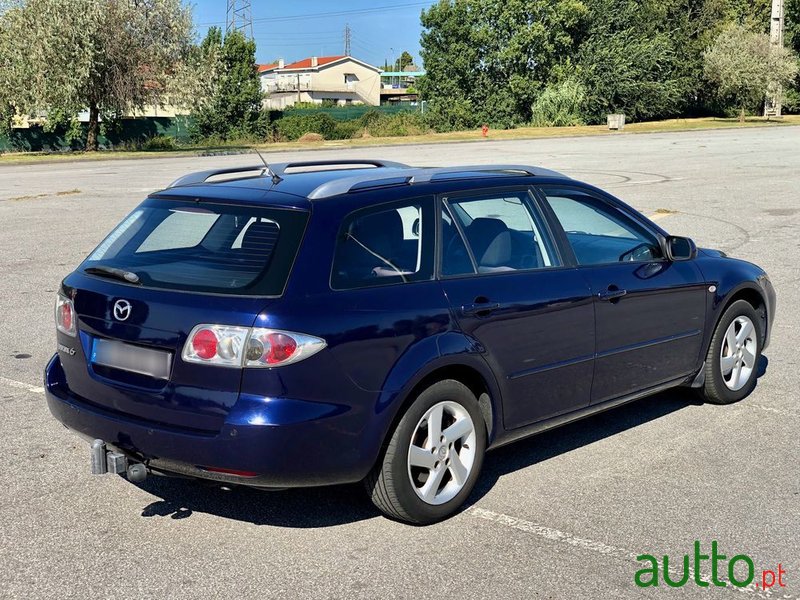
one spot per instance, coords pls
(479, 309)
(611, 294)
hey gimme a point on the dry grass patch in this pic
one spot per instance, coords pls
(311, 137)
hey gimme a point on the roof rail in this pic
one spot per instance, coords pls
(280, 169)
(199, 177)
(428, 174)
(411, 176)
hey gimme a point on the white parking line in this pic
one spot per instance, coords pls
(21, 385)
(649, 181)
(784, 412)
(563, 537)
(662, 215)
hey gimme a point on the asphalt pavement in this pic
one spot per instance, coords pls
(560, 515)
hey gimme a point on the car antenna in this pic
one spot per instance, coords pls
(275, 178)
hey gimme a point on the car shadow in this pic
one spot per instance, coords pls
(337, 505)
(296, 508)
(539, 448)
(531, 451)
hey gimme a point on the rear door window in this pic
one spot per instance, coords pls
(205, 247)
(385, 244)
(503, 231)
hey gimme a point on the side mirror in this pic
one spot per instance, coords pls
(679, 248)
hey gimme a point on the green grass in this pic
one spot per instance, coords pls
(521, 133)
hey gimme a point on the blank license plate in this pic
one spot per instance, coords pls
(145, 361)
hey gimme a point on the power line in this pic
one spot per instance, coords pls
(372, 47)
(340, 13)
(288, 34)
(282, 45)
(329, 38)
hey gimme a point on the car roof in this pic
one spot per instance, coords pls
(298, 184)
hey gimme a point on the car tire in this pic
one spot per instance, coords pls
(430, 482)
(731, 367)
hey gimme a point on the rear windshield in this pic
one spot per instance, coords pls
(205, 247)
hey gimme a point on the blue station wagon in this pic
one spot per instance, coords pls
(319, 323)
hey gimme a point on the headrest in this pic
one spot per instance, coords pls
(381, 232)
(260, 236)
(490, 241)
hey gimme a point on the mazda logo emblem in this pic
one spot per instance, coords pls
(122, 310)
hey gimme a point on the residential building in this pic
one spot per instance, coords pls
(339, 79)
(400, 86)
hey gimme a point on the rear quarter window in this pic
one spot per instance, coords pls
(386, 244)
(205, 246)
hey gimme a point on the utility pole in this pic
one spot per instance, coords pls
(240, 17)
(772, 107)
(347, 38)
(394, 67)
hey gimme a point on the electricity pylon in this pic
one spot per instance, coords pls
(240, 17)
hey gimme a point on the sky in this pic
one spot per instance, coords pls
(380, 29)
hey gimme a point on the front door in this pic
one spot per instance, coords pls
(510, 291)
(649, 312)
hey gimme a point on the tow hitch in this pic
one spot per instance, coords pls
(105, 461)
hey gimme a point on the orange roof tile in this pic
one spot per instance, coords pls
(306, 62)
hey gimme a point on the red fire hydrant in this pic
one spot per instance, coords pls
(485, 130)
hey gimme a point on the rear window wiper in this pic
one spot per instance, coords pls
(113, 273)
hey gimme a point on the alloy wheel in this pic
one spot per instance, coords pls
(442, 452)
(738, 353)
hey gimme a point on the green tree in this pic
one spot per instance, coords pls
(112, 57)
(486, 60)
(630, 60)
(560, 105)
(743, 65)
(404, 60)
(791, 38)
(234, 105)
(792, 24)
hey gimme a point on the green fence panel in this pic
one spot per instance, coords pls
(35, 139)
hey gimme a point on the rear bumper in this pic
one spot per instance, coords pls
(287, 443)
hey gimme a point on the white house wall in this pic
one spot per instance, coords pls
(343, 82)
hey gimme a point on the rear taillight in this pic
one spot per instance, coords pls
(273, 348)
(216, 345)
(205, 344)
(244, 347)
(65, 315)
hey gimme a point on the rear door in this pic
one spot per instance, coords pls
(190, 263)
(509, 289)
(650, 312)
